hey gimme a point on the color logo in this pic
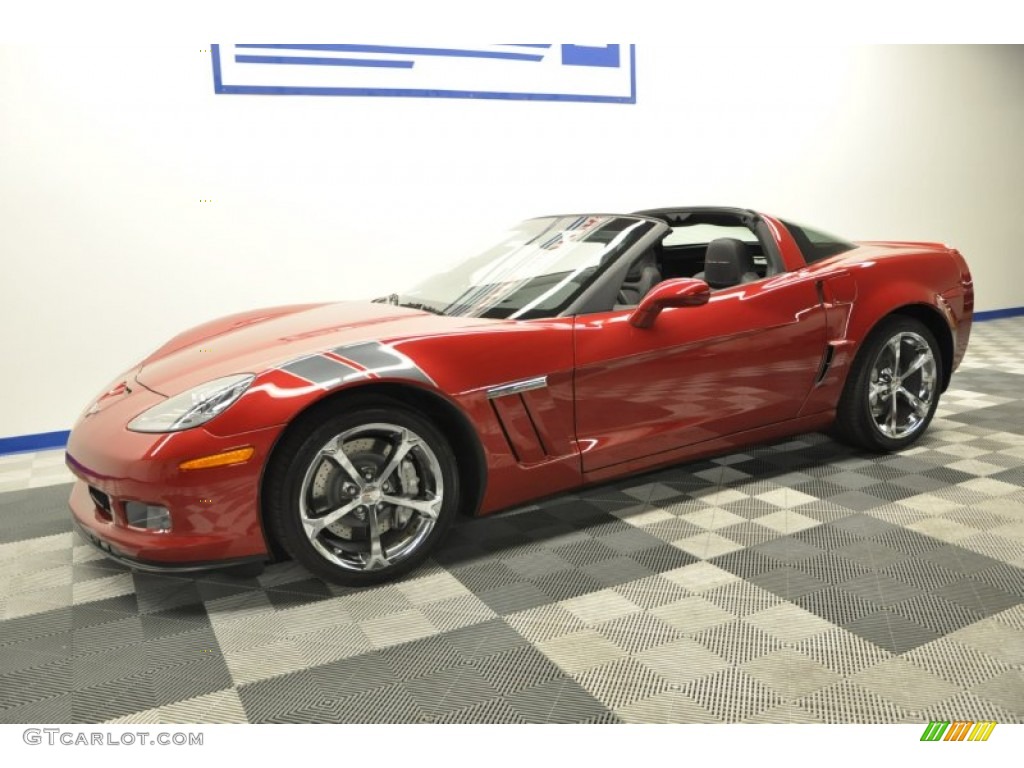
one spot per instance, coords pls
(958, 730)
(530, 71)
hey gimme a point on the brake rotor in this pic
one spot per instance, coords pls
(328, 487)
(369, 456)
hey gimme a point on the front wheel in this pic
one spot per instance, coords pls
(893, 387)
(362, 496)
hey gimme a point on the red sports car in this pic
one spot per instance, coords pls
(578, 349)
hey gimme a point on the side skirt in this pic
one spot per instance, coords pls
(716, 447)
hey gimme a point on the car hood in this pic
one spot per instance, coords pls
(256, 341)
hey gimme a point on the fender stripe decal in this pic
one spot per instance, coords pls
(322, 371)
(369, 360)
(382, 360)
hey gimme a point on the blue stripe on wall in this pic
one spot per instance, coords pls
(318, 61)
(40, 442)
(998, 314)
(347, 48)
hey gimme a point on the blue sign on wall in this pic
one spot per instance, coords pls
(599, 73)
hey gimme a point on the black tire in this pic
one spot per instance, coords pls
(299, 456)
(857, 416)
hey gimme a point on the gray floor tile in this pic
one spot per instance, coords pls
(789, 583)
(978, 596)
(558, 701)
(890, 631)
(1005, 690)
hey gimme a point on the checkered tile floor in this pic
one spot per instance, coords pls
(801, 582)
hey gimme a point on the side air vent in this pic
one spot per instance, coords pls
(826, 363)
(519, 429)
(523, 409)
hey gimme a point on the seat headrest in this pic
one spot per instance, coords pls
(726, 262)
(636, 269)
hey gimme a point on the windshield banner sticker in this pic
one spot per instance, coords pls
(545, 72)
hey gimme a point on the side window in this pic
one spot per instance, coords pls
(816, 245)
(643, 274)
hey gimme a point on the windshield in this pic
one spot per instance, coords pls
(702, 234)
(536, 270)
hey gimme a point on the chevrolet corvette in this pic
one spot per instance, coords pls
(578, 349)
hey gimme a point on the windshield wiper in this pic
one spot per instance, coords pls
(424, 307)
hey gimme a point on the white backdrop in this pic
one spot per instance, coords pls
(106, 153)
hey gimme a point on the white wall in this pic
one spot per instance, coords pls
(105, 154)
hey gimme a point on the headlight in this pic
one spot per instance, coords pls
(192, 408)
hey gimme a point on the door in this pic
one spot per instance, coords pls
(746, 359)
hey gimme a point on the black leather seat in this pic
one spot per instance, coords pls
(643, 275)
(727, 263)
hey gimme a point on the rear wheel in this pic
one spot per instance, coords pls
(362, 496)
(893, 388)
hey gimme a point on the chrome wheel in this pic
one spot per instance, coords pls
(903, 385)
(371, 496)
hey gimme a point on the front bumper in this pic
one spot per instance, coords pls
(214, 512)
(155, 567)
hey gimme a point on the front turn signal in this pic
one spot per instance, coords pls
(237, 456)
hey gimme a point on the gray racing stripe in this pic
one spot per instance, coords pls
(382, 360)
(322, 370)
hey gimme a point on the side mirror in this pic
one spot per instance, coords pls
(680, 292)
